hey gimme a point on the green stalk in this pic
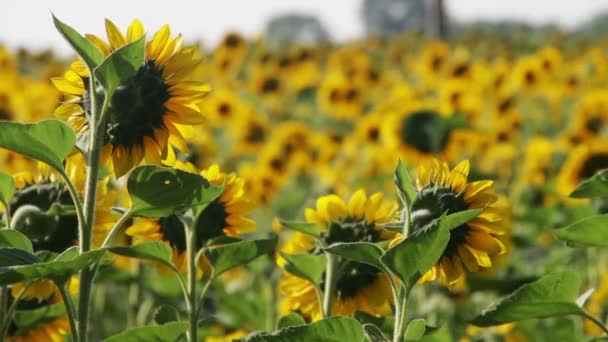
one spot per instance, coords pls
(596, 321)
(95, 144)
(11, 310)
(76, 200)
(400, 317)
(115, 229)
(192, 298)
(330, 282)
(203, 293)
(71, 311)
(4, 294)
(7, 216)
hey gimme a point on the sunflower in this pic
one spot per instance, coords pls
(535, 172)
(223, 107)
(340, 98)
(252, 132)
(359, 286)
(421, 134)
(54, 330)
(581, 163)
(225, 216)
(472, 245)
(147, 115)
(591, 115)
(38, 201)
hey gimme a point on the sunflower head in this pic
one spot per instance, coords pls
(358, 286)
(472, 245)
(148, 112)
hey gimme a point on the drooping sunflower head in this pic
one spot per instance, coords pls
(148, 113)
(359, 286)
(472, 245)
(582, 162)
(225, 216)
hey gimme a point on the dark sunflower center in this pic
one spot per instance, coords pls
(530, 77)
(256, 133)
(425, 131)
(430, 203)
(593, 164)
(47, 232)
(210, 225)
(270, 85)
(138, 107)
(355, 276)
(594, 125)
(373, 134)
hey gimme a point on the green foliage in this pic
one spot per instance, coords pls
(168, 332)
(7, 189)
(594, 187)
(333, 329)
(87, 51)
(364, 252)
(158, 191)
(404, 184)
(302, 227)
(373, 333)
(415, 330)
(157, 251)
(412, 257)
(459, 218)
(17, 265)
(49, 141)
(589, 232)
(27, 319)
(13, 238)
(226, 257)
(304, 265)
(121, 65)
(291, 320)
(552, 295)
(385, 324)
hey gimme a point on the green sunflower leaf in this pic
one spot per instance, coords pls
(152, 333)
(87, 51)
(332, 329)
(302, 227)
(7, 189)
(225, 257)
(13, 238)
(457, 219)
(22, 266)
(291, 320)
(165, 313)
(593, 187)
(26, 319)
(365, 252)
(386, 324)
(412, 257)
(588, 232)
(158, 191)
(373, 333)
(307, 266)
(404, 184)
(157, 251)
(49, 141)
(552, 295)
(415, 330)
(121, 65)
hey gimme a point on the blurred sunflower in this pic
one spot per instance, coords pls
(359, 286)
(581, 163)
(473, 244)
(147, 112)
(55, 330)
(225, 216)
(597, 306)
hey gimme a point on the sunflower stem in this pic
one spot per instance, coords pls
(77, 201)
(115, 229)
(192, 297)
(330, 275)
(596, 321)
(70, 310)
(11, 310)
(86, 237)
(201, 297)
(7, 216)
(400, 317)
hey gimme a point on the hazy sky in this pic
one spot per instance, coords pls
(28, 22)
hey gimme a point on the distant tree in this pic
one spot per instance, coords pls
(295, 29)
(385, 17)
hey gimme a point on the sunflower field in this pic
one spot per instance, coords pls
(387, 189)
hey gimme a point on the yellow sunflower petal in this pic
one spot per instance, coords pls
(115, 37)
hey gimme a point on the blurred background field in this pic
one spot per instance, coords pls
(305, 105)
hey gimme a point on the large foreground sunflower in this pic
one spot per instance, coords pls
(359, 286)
(148, 111)
(225, 216)
(473, 245)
